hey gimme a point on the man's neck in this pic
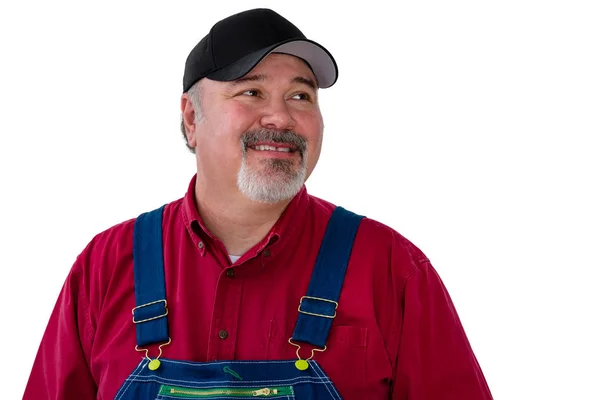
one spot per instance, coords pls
(237, 221)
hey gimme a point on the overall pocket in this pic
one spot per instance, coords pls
(223, 393)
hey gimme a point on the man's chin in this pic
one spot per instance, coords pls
(264, 190)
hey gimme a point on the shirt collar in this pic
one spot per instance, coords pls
(284, 230)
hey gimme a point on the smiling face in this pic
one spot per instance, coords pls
(261, 134)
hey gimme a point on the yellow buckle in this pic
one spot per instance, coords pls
(154, 363)
(318, 315)
(302, 364)
(146, 305)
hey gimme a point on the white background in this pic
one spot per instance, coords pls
(471, 127)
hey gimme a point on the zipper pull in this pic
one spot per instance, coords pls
(261, 392)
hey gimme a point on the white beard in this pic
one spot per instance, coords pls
(273, 183)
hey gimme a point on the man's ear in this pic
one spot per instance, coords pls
(189, 115)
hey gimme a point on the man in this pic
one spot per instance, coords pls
(249, 286)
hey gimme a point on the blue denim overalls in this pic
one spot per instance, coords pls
(173, 379)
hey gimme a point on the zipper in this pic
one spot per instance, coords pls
(208, 393)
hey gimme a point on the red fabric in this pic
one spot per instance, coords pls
(396, 330)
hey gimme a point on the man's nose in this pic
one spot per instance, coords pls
(277, 115)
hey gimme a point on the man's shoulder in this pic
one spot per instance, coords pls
(374, 234)
(118, 238)
(391, 238)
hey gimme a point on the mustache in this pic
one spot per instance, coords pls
(252, 137)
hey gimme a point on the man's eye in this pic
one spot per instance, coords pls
(251, 92)
(301, 96)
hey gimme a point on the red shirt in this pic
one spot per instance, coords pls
(396, 330)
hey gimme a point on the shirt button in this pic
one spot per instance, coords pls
(223, 334)
(267, 253)
(230, 272)
(200, 245)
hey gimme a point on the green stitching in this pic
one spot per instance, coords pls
(228, 370)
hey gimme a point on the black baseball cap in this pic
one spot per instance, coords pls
(238, 43)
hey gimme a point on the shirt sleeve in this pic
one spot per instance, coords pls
(435, 360)
(60, 370)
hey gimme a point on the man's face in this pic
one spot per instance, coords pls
(262, 132)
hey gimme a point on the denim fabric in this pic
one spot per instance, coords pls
(309, 384)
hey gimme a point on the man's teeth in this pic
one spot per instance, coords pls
(271, 148)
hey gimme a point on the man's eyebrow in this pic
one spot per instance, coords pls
(306, 81)
(248, 78)
(262, 77)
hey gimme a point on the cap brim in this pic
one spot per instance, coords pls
(316, 56)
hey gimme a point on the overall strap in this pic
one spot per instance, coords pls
(150, 313)
(318, 308)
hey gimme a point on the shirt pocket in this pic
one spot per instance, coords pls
(344, 361)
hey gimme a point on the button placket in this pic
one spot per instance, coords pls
(225, 316)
